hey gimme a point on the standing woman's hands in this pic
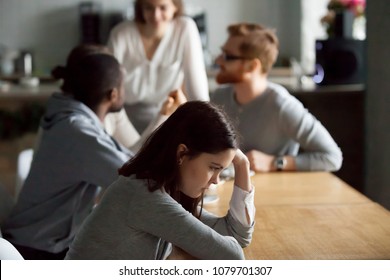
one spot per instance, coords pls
(242, 171)
(173, 101)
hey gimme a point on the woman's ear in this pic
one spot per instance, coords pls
(181, 151)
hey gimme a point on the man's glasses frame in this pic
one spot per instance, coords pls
(232, 57)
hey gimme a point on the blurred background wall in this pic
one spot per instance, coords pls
(49, 29)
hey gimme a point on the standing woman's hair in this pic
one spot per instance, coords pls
(199, 125)
(138, 10)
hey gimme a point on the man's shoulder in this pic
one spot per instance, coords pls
(280, 94)
(222, 94)
(83, 127)
(73, 124)
(284, 102)
(278, 89)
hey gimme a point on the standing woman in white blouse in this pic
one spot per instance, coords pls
(161, 52)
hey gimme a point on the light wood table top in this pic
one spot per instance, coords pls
(312, 215)
(292, 188)
(355, 231)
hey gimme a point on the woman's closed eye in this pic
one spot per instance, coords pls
(215, 168)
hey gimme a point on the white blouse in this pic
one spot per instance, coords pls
(177, 59)
(119, 126)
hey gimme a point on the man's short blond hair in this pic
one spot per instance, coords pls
(259, 42)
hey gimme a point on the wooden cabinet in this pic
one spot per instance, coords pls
(341, 110)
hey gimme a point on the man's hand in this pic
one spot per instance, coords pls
(260, 162)
(173, 101)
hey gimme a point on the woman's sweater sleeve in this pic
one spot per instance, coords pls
(170, 221)
(235, 222)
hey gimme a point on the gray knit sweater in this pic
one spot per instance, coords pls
(133, 223)
(276, 123)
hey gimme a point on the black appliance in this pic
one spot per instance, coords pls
(340, 61)
(90, 22)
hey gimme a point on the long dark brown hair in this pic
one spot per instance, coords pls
(199, 125)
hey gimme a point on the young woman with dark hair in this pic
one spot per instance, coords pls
(157, 199)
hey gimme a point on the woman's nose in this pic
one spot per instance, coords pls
(157, 14)
(215, 179)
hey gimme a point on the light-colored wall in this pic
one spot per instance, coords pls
(297, 23)
(47, 28)
(51, 28)
(221, 13)
(311, 29)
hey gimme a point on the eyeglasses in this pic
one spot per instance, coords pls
(231, 57)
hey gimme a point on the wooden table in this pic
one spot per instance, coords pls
(310, 216)
(295, 188)
(354, 231)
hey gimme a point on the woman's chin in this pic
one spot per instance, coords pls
(195, 196)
